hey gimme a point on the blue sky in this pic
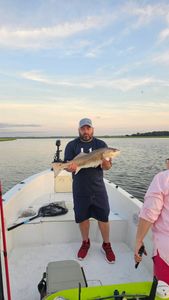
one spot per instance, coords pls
(62, 60)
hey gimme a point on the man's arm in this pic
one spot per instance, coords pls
(69, 155)
(142, 230)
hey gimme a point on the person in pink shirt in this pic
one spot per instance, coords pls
(154, 214)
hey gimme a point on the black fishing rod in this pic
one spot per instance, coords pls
(123, 295)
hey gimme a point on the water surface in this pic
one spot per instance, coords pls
(139, 160)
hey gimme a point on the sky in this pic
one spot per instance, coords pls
(63, 60)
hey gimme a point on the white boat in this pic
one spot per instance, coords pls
(50, 244)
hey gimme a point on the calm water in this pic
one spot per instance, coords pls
(133, 169)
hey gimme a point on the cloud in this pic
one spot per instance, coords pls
(36, 76)
(97, 49)
(10, 125)
(124, 114)
(162, 58)
(164, 34)
(47, 37)
(146, 13)
(122, 84)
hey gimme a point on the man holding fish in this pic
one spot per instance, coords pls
(87, 157)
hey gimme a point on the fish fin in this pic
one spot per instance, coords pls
(77, 170)
(55, 165)
(56, 168)
(80, 155)
(56, 172)
(58, 165)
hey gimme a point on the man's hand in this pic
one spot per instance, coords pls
(137, 256)
(106, 164)
(72, 167)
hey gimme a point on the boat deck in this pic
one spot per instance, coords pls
(27, 267)
(46, 239)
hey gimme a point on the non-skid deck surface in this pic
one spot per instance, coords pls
(27, 266)
(59, 197)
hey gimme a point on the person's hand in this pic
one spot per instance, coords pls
(167, 163)
(137, 256)
(72, 167)
(106, 164)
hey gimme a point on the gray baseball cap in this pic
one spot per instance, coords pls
(86, 122)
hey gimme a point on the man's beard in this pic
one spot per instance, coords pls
(86, 137)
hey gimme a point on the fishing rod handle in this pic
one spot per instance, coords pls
(140, 252)
(24, 222)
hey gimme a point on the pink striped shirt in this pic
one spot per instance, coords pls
(156, 210)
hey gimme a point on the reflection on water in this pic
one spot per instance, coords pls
(140, 159)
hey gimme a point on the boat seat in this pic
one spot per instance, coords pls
(63, 275)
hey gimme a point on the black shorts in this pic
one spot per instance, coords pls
(95, 206)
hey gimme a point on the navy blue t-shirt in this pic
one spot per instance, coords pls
(87, 182)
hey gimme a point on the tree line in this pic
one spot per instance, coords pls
(152, 133)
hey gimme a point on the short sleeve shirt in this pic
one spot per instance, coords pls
(87, 181)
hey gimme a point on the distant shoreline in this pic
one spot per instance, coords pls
(4, 139)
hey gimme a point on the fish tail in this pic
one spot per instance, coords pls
(57, 167)
(56, 172)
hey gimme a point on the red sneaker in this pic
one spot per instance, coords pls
(107, 250)
(83, 250)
